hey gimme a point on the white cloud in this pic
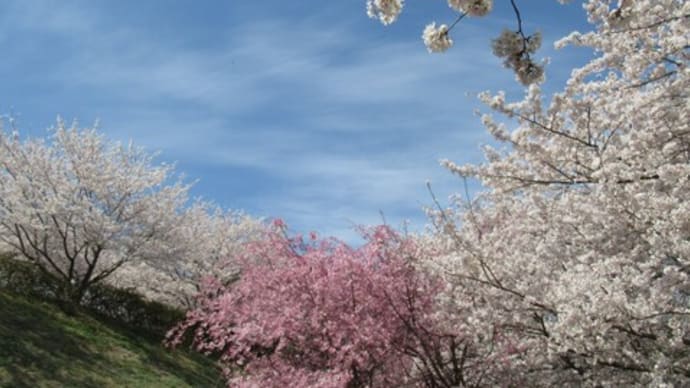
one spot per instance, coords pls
(355, 126)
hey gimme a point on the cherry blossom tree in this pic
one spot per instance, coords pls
(212, 238)
(318, 313)
(81, 207)
(578, 249)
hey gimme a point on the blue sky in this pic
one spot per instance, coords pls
(305, 110)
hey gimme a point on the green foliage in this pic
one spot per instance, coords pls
(128, 307)
(41, 346)
(25, 278)
(124, 306)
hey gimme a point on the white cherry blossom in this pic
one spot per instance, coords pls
(386, 11)
(437, 39)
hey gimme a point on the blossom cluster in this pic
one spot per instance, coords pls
(515, 49)
(476, 8)
(386, 11)
(437, 39)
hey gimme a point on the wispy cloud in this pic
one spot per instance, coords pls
(322, 125)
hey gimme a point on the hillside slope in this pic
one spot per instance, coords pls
(40, 346)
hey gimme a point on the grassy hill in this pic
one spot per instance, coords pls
(40, 346)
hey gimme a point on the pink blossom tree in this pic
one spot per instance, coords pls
(318, 313)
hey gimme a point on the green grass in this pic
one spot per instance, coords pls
(40, 346)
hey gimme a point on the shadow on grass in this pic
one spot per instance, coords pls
(188, 366)
(42, 347)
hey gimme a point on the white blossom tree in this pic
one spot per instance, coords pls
(578, 249)
(81, 207)
(212, 238)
